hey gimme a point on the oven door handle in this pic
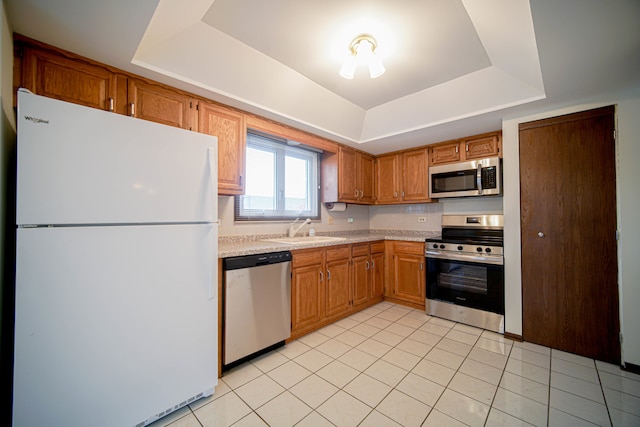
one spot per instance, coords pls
(495, 260)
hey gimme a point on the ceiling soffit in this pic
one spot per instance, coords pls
(265, 66)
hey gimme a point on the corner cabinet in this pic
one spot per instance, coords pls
(230, 128)
(355, 177)
(406, 273)
(403, 177)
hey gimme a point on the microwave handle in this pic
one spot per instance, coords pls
(479, 178)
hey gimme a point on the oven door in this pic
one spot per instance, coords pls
(477, 284)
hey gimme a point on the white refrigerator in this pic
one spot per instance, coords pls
(116, 267)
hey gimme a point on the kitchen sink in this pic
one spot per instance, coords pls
(301, 240)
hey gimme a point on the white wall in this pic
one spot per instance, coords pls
(405, 217)
(628, 202)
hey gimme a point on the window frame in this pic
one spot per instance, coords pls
(282, 148)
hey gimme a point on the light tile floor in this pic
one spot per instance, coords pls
(390, 365)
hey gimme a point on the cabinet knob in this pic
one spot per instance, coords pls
(540, 234)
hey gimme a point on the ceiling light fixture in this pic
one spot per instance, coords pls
(363, 51)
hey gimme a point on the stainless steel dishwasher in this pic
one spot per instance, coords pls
(257, 309)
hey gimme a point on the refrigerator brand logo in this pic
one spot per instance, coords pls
(36, 120)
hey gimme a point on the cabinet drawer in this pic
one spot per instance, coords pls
(415, 248)
(377, 247)
(360, 249)
(337, 252)
(306, 257)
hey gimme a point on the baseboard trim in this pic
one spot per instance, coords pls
(513, 336)
(633, 368)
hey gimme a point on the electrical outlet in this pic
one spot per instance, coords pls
(329, 220)
(422, 219)
(350, 219)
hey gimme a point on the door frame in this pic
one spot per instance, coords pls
(511, 209)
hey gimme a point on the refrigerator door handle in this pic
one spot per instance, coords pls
(213, 164)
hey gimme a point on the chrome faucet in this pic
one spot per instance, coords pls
(293, 230)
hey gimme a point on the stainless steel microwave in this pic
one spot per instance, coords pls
(482, 177)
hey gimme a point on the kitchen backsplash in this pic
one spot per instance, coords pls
(410, 217)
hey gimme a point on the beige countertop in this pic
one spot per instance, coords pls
(230, 246)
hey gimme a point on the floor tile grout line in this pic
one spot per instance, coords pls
(403, 338)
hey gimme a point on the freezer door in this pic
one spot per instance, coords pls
(78, 165)
(114, 325)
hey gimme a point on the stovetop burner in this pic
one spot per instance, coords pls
(476, 234)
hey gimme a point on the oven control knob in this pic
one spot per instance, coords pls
(479, 249)
(460, 248)
(442, 246)
(435, 246)
(488, 250)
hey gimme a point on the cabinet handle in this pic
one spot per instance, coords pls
(328, 275)
(367, 264)
(133, 110)
(321, 276)
(467, 148)
(396, 195)
(373, 264)
(403, 194)
(421, 266)
(456, 149)
(111, 104)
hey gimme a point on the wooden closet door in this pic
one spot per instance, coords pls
(568, 226)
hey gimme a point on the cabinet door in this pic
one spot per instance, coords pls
(360, 279)
(415, 179)
(306, 297)
(481, 147)
(159, 104)
(409, 277)
(347, 175)
(445, 153)
(366, 183)
(337, 287)
(71, 80)
(377, 275)
(388, 177)
(230, 128)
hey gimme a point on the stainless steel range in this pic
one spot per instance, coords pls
(465, 271)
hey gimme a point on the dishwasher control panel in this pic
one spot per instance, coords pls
(248, 261)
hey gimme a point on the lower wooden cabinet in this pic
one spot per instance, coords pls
(330, 283)
(337, 296)
(406, 275)
(307, 290)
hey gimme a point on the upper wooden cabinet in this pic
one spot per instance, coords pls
(354, 171)
(230, 128)
(68, 79)
(402, 177)
(482, 146)
(470, 148)
(158, 103)
(55, 73)
(445, 153)
(415, 181)
(389, 179)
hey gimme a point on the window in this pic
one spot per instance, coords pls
(281, 181)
